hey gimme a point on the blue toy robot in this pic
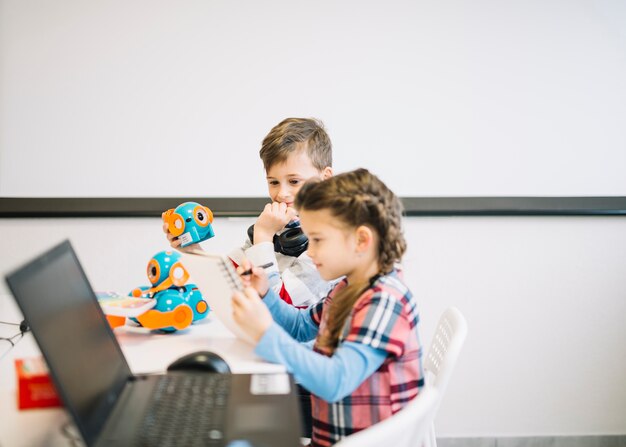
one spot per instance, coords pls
(178, 304)
(176, 309)
(193, 297)
(190, 222)
(166, 270)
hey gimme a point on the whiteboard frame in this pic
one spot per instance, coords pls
(28, 207)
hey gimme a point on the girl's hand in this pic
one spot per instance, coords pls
(257, 279)
(274, 217)
(250, 313)
(175, 242)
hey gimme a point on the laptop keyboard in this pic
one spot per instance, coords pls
(187, 410)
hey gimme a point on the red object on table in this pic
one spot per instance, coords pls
(34, 386)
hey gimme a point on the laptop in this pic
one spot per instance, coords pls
(110, 405)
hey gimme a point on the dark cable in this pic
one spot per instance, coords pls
(23, 329)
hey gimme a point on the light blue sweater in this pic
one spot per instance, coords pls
(331, 378)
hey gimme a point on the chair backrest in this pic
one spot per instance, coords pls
(407, 428)
(445, 348)
(441, 357)
(413, 425)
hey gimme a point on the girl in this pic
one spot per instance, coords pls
(365, 364)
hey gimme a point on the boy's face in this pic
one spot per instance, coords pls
(284, 180)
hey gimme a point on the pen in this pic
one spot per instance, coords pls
(264, 266)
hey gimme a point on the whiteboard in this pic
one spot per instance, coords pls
(439, 98)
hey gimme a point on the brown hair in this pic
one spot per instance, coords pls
(293, 134)
(356, 198)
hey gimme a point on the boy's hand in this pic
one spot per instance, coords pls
(257, 278)
(274, 217)
(175, 242)
(250, 313)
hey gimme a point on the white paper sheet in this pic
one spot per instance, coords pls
(216, 278)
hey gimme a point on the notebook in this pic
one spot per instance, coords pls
(216, 279)
(109, 404)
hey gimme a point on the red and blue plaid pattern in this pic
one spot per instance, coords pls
(384, 317)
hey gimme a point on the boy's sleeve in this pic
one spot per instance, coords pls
(379, 322)
(261, 254)
(302, 281)
(297, 281)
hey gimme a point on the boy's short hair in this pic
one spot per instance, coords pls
(293, 134)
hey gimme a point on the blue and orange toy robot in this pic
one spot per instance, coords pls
(178, 304)
(190, 222)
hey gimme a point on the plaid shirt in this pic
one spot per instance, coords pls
(384, 317)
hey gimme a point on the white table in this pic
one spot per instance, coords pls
(144, 351)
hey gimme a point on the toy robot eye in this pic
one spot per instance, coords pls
(178, 274)
(202, 215)
(154, 272)
(176, 225)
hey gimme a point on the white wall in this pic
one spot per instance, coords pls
(545, 299)
(440, 98)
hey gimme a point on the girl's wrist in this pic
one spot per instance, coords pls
(259, 335)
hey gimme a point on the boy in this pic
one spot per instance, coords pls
(295, 150)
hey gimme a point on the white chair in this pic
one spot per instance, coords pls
(407, 428)
(441, 357)
(413, 425)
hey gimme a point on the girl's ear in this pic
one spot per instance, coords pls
(327, 172)
(364, 238)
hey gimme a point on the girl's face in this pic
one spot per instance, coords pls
(332, 244)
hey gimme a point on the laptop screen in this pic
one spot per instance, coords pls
(85, 361)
